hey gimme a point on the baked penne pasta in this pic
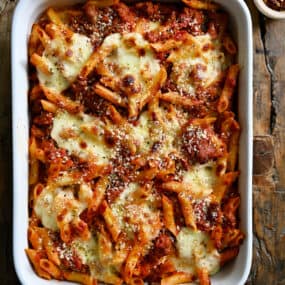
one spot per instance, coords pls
(133, 143)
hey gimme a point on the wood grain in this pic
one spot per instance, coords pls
(268, 267)
(7, 273)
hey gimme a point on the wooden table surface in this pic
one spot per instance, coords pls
(268, 266)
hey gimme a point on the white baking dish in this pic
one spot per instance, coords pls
(25, 15)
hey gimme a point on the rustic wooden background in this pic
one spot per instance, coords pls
(268, 266)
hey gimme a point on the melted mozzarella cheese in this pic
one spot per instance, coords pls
(132, 55)
(118, 208)
(44, 208)
(64, 61)
(89, 254)
(171, 132)
(87, 251)
(76, 134)
(152, 26)
(53, 200)
(207, 64)
(147, 132)
(141, 132)
(202, 179)
(196, 246)
(82, 142)
(132, 216)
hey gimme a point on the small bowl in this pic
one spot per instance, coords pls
(267, 11)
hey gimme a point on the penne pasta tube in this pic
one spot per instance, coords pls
(35, 257)
(166, 45)
(90, 65)
(49, 247)
(62, 101)
(233, 150)
(81, 229)
(34, 171)
(53, 16)
(35, 238)
(229, 45)
(132, 261)
(35, 93)
(65, 232)
(40, 34)
(187, 210)
(110, 220)
(177, 278)
(105, 247)
(109, 95)
(228, 254)
(48, 106)
(98, 195)
(230, 209)
(232, 238)
(49, 267)
(203, 121)
(35, 152)
(59, 32)
(228, 90)
(168, 215)
(147, 174)
(175, 186)
(115, 115)
(82, 278)
(223, 185)
(176, 99)
(40, 64)
(203, 276)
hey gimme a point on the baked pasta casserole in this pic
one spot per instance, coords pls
(133, 143)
